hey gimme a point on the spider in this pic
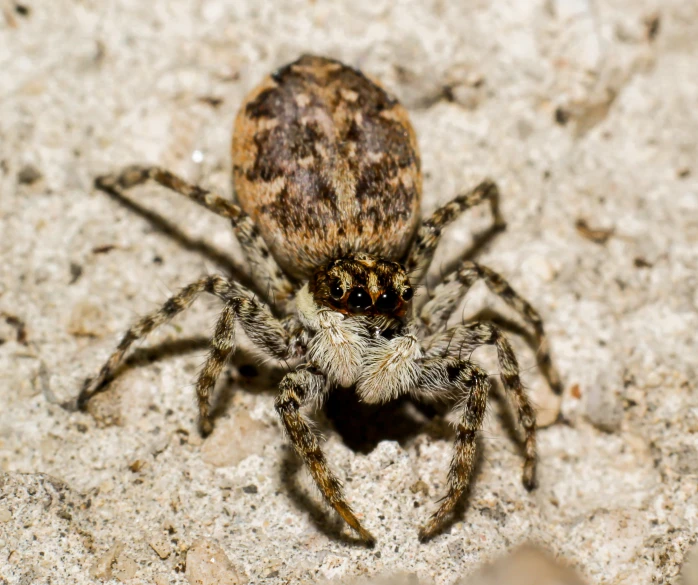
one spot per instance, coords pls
(328, 187)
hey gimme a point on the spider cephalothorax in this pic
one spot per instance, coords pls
(328, 177)
(362, 284)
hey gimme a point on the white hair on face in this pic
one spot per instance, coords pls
(390, 368)
(339, 343)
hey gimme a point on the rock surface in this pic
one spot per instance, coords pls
(585, 113)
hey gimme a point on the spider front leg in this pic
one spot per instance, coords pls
(463, 340)
(265, 271)
(429, 233)
(173, 306)
(296, 389)
(260, 326)
(456, 285)
(470, 386)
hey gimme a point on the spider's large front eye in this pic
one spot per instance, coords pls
(387, 302)
(336, 290)
(359, 300)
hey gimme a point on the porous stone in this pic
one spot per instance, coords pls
(579, 110)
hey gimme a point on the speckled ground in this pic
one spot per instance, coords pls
(585, 113)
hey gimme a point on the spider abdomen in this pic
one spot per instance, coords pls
(326, 163)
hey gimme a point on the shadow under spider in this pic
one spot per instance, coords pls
(331, 525)
(360, 426)
(324, 519)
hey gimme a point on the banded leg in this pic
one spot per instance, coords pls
(462, 340)
(264, 270)
(222, 347)
(135, 175)
(457, 284)
(259, 325)
(429, 233)
(470, 384)
(296, 389)
(174, 305)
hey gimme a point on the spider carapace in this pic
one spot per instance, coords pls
(328, 186)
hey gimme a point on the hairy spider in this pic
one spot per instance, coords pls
(328, 185)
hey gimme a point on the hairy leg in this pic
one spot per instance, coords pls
(259, 325)
(429, 233)
(462, 340)
(264, 270)
(437, 369)
(173, 306)
(456, 285)
(296, 389)
(452, 377)
(255, 318)
(222, 347)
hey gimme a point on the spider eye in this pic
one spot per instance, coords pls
(336, 290)
(407, 294)
(359, 300)
(387, 302)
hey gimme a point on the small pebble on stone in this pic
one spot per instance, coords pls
(207, 564)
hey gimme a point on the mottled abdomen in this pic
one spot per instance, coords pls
(326, 162)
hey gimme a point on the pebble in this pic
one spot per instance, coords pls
(103, 566)
(29, 174)
(124, 568)
(5, 515)
(689, 571)
(527, 565)
(207, 564)
(603, 405)
(235, 439)
(160, 545)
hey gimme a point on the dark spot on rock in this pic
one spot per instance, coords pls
(137, 465)
(103, 249)
(212, 101)
(157, 260)
(652, 23)
(19, 326)
(250, 489)
(22, 10)
(75, 272)
(29, 175)
(562, 116)
(641, 262)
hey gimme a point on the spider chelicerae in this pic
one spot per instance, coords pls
(328, 189)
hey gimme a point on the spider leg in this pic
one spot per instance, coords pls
(260, 326)
(462, 340)
(296, 389)
(264, 270)
(429, 233)
(471, 386)
(456, 285)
